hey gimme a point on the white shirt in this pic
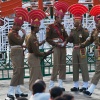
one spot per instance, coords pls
(40, 96)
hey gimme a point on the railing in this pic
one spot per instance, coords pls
(46, 65)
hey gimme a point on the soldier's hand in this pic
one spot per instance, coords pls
(82, 46)
(64, 44)
(43, 41)
(48, 53)
(23, 31)
(59, 45)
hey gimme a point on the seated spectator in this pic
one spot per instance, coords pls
(55, 92)
(68, 97)
(59, 98)
(42, 82)
(38, 91)
(22, 98)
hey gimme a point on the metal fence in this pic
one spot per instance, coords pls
(46, 65)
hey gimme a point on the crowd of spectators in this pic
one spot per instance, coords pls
(39, 93)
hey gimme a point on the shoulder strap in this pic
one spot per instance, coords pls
(58, 32)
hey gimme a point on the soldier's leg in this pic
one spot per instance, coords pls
(56, 57)
(85, 74)
(16, 71)
(75, 62)
(40, 76)
(18, 67)
(21, 79)
(34, 69)
(96, 76)
(95, 79)
(62, 67)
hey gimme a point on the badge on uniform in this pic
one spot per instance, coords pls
(62, 30)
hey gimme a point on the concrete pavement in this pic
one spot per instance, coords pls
(68, 83)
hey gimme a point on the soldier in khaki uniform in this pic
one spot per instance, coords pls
(79, 35)
(95, 37)
(57, 37)
(17, 58)
(33, 48)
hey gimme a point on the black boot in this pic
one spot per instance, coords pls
(63, 89)
(21, 95)
(10, 97)
(74, 89)
(83, 89)
(87, 93)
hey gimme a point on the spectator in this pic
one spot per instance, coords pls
(55, 92)
(22, 98)
(68, 97)
(38, 91)
(59, 98)
(42, 82)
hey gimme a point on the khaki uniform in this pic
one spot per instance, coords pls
(59, 54)
(17, 58)
(79, 55)
(26, 39)
(34, 59)
(95, 37)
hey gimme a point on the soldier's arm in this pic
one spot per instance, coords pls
(35, 48)
(88, 42)
(26, 39)
(85, 34)
(41, 42)
(48, 36)
(17, 40)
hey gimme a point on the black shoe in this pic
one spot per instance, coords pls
(74, 89)
(87, 93)
(63, 89)
(21, 95)
(10, 97)
(83, 89)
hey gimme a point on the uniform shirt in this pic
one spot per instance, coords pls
(15, 39)
(78, 36)
(51, 33)
(33, 45)
(40, 96)
(95, 37)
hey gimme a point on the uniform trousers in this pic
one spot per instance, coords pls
(17, 59)
(35, 69)
(79, 63)
(59, 67)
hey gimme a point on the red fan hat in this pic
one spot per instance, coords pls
(35, 16)
(61, 8)
(78, 10)
(21, 16)
(95, 11)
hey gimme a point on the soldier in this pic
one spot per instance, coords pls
(77, 36)
(17, 57)
(95, 37)
(33, 47)
(57, 37)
